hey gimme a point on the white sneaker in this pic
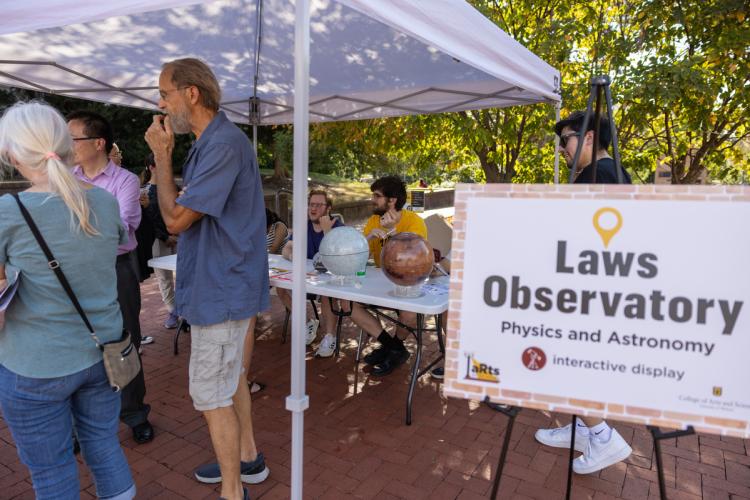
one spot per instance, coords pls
(600, 454)
(312, 330)
(326, 347)
(560, 437)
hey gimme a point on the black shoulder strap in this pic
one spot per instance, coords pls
(53, 264)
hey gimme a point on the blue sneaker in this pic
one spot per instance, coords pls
(245, 495)
(250, 472)
(171, 322)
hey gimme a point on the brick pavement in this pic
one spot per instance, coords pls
(357, 446)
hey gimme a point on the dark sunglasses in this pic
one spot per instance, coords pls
(564, 138)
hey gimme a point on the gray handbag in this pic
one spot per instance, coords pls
(121, 360)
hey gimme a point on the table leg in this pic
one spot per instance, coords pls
(415, 367)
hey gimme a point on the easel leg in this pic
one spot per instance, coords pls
(511, 412)
(658, 435)
(570, 457)
(181, 325)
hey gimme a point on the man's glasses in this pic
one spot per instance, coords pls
(564, 138)
(85, 138)
(377, 195)
(316, 205)
(164, 93)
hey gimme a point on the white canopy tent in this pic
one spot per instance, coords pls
(275, 61)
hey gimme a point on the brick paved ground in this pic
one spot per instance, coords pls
(357, 446)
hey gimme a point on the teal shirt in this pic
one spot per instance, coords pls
(44, 337)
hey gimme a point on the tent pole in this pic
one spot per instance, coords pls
(557, 145)
(255, 138)
(298, 401)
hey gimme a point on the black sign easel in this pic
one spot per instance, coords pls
(512, 412)
(599, 86)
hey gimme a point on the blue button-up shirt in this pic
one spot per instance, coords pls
(222, 262)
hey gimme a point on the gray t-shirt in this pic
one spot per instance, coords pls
(44, 337)
(222, 261)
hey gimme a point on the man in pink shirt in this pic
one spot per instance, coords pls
(93, 138)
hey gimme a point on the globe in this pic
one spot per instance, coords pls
(344, 251)
(407, 259)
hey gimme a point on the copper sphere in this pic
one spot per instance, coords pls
(407, 259)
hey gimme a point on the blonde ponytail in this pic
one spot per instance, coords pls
(36, 136)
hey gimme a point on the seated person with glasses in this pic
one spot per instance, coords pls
(319, 222)
(388, 199)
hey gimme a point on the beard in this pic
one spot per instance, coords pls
(180, 121)
(379, 211)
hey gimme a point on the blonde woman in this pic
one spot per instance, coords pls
(51, 371)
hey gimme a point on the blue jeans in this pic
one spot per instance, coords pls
(40, 413)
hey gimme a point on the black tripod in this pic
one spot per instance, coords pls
(599, 86)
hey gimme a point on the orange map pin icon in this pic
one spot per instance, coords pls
(607, 233)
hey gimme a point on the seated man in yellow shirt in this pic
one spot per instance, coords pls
(388, 199)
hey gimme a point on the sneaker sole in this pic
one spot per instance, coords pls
(207, 480)
(246, 478)
(255, 478)
(580, 444)
(611, 460)
(327, 355)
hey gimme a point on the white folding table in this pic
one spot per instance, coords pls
(373, 289)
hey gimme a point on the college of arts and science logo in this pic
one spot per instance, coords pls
(533, 358)
(476, 370)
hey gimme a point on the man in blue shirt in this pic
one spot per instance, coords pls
(222, 264)
(319, 222)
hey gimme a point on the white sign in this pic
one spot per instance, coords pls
(582, 303)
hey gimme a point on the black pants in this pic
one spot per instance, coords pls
(133, 410)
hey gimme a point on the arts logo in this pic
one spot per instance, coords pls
(533, 358)
(476, 370)
(717, 391)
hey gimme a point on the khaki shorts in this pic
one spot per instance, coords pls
(216, 363)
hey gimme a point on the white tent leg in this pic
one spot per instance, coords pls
(557, 146)
(298, 401)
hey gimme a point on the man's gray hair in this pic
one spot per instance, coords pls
(190, 72)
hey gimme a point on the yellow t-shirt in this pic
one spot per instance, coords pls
(410, 223)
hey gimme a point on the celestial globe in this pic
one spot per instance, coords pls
(407, 259)
(344, 251)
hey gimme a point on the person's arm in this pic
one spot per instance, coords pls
(128, 196)
(279, 238)
(160, 139)
(287, 251)
(3, 278)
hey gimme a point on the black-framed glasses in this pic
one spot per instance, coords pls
(564, 138)
(85, 138)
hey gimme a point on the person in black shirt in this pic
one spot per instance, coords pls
(602, 446)
(570, 132)
(163, 242)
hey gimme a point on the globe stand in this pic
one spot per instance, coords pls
(409, 292)
(342, 280)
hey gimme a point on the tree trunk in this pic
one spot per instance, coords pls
(280, 173)
(491, 170)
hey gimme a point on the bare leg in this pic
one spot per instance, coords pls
(327, 316)
(407, 318)
(591, 421)
(285, 297)
(224, 428)
(366, 321)
(242, 400)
